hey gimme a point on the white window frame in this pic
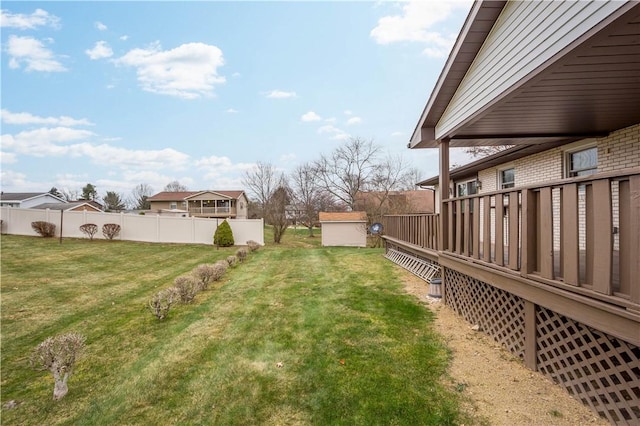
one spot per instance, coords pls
(466, 182)
(567, 158)
(173, 205)
(499, 176)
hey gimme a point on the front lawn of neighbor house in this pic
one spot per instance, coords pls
(298, 334)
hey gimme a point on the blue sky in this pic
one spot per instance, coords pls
(122, 93)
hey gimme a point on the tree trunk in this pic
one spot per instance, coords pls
(60, 388)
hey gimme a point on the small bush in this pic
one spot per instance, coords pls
(241, 254)
(162, 301)
(253, 245)
(223, 236)
(219, 269)
(186, 288)
(110, 230)
(89, 229)
(58, 354)
(44, 229)
(203, 274)
(232, 260)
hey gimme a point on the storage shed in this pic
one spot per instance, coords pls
(344, 229)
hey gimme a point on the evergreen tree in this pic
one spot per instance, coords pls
(223, 236)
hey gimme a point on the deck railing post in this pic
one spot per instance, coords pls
(443, 240)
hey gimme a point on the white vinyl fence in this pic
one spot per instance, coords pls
(150, 228)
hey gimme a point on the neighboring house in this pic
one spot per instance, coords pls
(344, 229)
(209, 204)
(27, 200)
(539, 244)
(395, 202)
(74, 206)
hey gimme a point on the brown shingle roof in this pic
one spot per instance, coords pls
(343, 216)
(180, 196)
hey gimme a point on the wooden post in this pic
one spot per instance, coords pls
(443, 237)
(530, 355)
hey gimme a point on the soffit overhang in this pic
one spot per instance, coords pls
(590, 90)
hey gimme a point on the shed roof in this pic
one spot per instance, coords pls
(343, 216)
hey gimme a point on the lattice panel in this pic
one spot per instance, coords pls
(420, 267)
(601, 371)
(500, 314)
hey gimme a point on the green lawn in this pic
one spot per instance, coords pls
(354, 348)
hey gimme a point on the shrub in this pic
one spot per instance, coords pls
(223, 236)
(44, 229)
(162, 301)
(90, 229)
(203, 274)
(110, 230)
(219, 269)
(58, 354)
(241, 254)
(253, 245)
(186, 288)
(232, 260)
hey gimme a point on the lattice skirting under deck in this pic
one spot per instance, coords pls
(601, 371)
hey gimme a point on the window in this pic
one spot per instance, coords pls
(583, 162)
(507, 178)
(466, 188)
(173, 205)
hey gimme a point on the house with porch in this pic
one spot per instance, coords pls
(207, 204)
(539, 244)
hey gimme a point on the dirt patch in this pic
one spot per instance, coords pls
(501, 390)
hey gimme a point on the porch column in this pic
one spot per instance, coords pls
(443, 236)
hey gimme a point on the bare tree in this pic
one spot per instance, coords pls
(70, 194)
(485, 151)
(306, 195)
(348, 169)
(276, 211)
(260, 183)
(175, 186)
(140, 196)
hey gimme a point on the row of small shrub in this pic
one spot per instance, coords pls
(58, 354)
(186, 287)
(48, 229)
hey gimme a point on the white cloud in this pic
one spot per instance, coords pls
(25, 118)
(280, 94)
(334, 132)
(232, 111)
(221, 165)
(55, 142)
(124, 37)
(33, 53)
(22, 21)
(100, 26)
(100, 51)
(354, 120)
(7, 157)
(235, 74)
(11, 180)
(310, 116)
(288, 158)
(189, 71)
(416, 24)
(347, 112)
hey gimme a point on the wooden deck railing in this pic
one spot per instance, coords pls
(212, 210)
(417, 229)
(580, 234)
